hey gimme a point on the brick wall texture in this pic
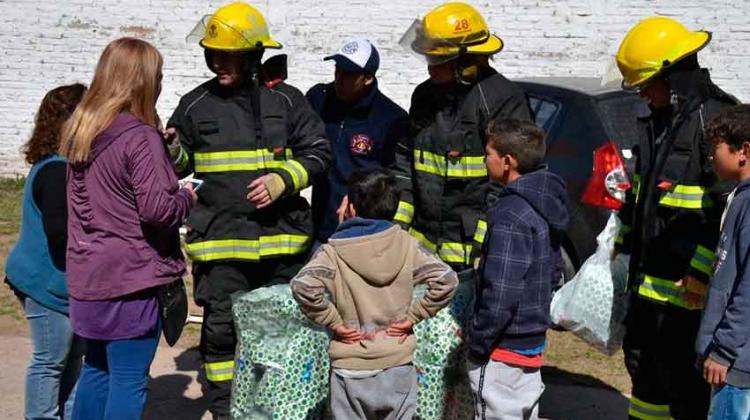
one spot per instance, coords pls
(45, 44)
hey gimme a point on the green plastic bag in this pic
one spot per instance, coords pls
(282, 360)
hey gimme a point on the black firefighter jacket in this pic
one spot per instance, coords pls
(229, 139)
(671, 215)
(440, 165)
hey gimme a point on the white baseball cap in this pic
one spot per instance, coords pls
(357, 55)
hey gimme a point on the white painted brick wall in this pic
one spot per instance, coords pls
(45, 44)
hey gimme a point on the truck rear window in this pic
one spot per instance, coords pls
(544, 111)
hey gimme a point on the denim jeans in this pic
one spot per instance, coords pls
(114, 378)
(55, 363)
(730, 403)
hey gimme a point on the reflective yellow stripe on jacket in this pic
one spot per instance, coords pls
(481, 231)
(220, 371)
(252, 160)
(244, 249)
(703, 260)
(297, 172)
(646, 411)
(423, 239)
(452, 252)
(405, 212)
(686, 197)
(636, 185)
(666, 291)
(460, 167)
(182, 160)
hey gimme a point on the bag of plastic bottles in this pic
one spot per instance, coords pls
(593, 304)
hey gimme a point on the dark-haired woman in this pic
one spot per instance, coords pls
(35, 268)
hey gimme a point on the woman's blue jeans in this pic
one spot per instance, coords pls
(114, 378)
(55, 362)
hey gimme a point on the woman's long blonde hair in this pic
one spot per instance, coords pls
(127, 78)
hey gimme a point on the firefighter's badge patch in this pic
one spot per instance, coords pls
(361, 144)
(212, 31)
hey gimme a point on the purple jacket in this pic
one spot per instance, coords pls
(124, 211)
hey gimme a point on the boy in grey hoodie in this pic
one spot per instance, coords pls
(723, 342)
(360, 286)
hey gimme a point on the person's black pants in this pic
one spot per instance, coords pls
(661, 360)
(215, 283)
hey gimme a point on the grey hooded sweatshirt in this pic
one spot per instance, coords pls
(364, 278)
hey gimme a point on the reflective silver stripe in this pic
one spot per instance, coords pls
(217, 162)
(646, 411)
(251, 249)
(297, 173)
(447, 252)
(405, 213)
(703, 260)
(182, 160)
(646, 414)
(686, 196)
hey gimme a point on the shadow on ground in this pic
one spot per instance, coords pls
(573, 396)
(178, 386)
(173, 395)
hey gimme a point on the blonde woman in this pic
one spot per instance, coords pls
(124, 208)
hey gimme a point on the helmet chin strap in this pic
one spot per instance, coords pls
(467, 69)
(459, 73)
(461, 70)
(687, 84)
(687, 79)
(251, 66)
(674, 99)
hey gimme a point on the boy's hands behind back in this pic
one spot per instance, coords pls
(401, 329)
(347, 335)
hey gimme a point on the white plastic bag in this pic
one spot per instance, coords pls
(593, 305)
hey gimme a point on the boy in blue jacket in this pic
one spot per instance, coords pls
(722, 342)
(520, 261)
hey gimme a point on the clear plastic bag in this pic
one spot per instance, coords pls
(593, 304)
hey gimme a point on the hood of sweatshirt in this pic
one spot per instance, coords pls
(374, 249)
(546, 193)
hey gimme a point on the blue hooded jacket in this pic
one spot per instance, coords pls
(725, 325)
(520, 262)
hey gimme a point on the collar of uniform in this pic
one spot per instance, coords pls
(366, 101)
(364, 104)
(692, 85)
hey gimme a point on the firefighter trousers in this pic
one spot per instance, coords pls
(661, 361)
(214, 285)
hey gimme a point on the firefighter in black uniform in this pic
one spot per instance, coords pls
(670, 219)
(441, 162)
(255, 142)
